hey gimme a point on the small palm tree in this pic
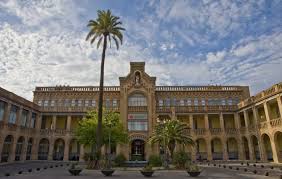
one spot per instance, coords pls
(106, 27)
(169, 133)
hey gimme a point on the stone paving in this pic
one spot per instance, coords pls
(60, 172)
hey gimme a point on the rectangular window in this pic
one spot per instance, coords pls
(203, 102)
(52, 103)
(2, 110)
(173, 101)
(161, 102)
(223, 102)
(46, 102)
(24, 118)
(114, 102)
(167, 102)
(93, 103)
(189, 102)
(108, 103)
(86, 103)
(181, 102)
(39, 103)
(196, 103)
(79, 102)
(230, 101)
(33, 120)
(13, 114)
(73, 102)
(137, 125)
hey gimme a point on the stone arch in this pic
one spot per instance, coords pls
(256, 151)
(19, 148)
(267, 146)
(245, 145)
(29, 148)
(137, 151)
(7, 148)
(232, 148)
(278, 144)
(201, 149)
(74, 150)
(43, 149)
(59, 148)
(216, 149)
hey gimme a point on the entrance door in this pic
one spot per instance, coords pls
(138, 150)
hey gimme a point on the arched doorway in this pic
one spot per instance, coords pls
(137, 150)
(246, 148)
(59, 147)
(19, 148)
(254, 140)
(278, 143)
(216, 148)
(267, 147)
(7, 147)
(43, 149)
(232, 149)
(29, 148)
(201, 149)
(74, 149)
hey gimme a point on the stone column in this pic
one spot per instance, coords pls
(246, 117)
(7, 113)
(19, 116)
(24, 150)
(54, 121)
(221, 121)
(13, 151)
(209, 152)
(241, 149)
(251, 148)
(81, 153)
(38, 121)
(265, 106)
(274, 149)
(191, 122)
(34, 149)
(51, 149)
(279, 102)
(66, 150)
(206, 121)
(225, 152)
(237, 121)
(68, 123)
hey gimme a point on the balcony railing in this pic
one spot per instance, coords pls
(77, 88)
(232, 131)
(276, 122)
(200, 131)
(186, 109)
(198, 88)
(137, 108)
(263, 125)
(264, 94)
(82, 109)
(63, 132)
(215, 131)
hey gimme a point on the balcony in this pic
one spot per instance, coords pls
(231, 131)
(82, 109)
(276, 122)
(215, 131)
(57, 132)
(187, 109)
(137, 108)
(11, 127)
(263, 125)
(201, 131)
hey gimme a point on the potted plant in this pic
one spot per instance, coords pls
(147, 171)
(75, 171)
(193, 170)
(108, 170)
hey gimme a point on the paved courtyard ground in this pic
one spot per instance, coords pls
(59, 171)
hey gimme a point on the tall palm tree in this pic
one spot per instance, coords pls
(169, 133)
(106, 27)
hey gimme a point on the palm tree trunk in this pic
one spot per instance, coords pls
(100, 104)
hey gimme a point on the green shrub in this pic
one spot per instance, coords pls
(155, 161)
(120, 160)
(180, 159)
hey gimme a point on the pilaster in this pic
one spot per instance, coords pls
(279, 102)
(81, 153)
(66, 150)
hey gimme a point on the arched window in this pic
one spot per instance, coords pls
(137, 100)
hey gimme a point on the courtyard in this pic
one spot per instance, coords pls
(59, 170)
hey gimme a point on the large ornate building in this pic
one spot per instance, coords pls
(226, 123)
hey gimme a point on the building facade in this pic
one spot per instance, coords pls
(225, 122)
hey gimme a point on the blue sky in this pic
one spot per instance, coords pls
(193, 42)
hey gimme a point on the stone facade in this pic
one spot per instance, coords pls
(225, 122)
